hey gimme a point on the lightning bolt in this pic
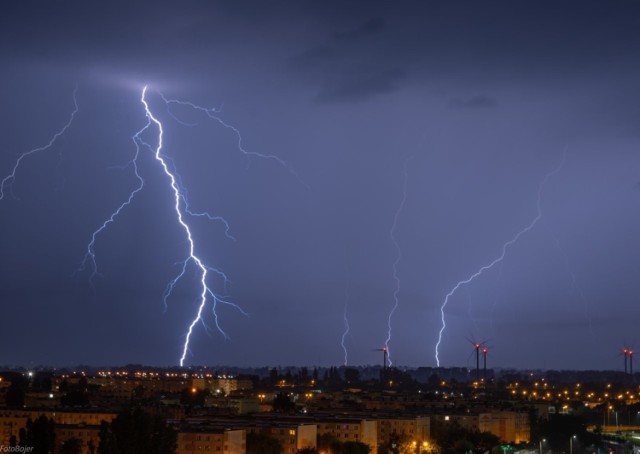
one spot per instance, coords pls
(9, 179)
(182, 210)
(345, 333)
(396, 278)
(180, 205)
(499, 259)
(212, 113)
(90, 256)
(171, 284)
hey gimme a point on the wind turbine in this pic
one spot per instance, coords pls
(480, 346)
(385, 354)
(627, 352)
(485, 350)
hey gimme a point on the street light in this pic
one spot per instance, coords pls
(571, 444)
(544, 440)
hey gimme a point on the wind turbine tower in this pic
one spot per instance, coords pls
(477, 347)
(485, 350)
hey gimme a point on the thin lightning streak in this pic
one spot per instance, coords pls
(90, 256)
(185, 197)
(346, 325)
(203, 269)
(171, 284)
(183, 123)
(213, 114)
(396, 278)
(204, 214)
(505, 247)
(218, 299)
(9, 179)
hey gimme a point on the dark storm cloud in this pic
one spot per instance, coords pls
(344, 68)
(359, 87)
(370, 27)
(338, 47)
(455, 41)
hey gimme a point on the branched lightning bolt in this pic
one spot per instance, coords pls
(182, 209)
(90, 256)
(9, 179)
(396, 278)
(345, 333)
(181, 206)
(184, 193)
(499, 259)
(212, 113)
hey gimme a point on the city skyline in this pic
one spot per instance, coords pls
(351, 179)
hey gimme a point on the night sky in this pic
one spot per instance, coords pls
(478, 101)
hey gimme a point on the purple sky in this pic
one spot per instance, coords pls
(486, 97)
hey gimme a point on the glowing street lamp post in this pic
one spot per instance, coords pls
(571, 444)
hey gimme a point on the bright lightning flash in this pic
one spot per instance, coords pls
(499, 259)
(179, 206)
(9, 179)
(396, 278)
(182, 210)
